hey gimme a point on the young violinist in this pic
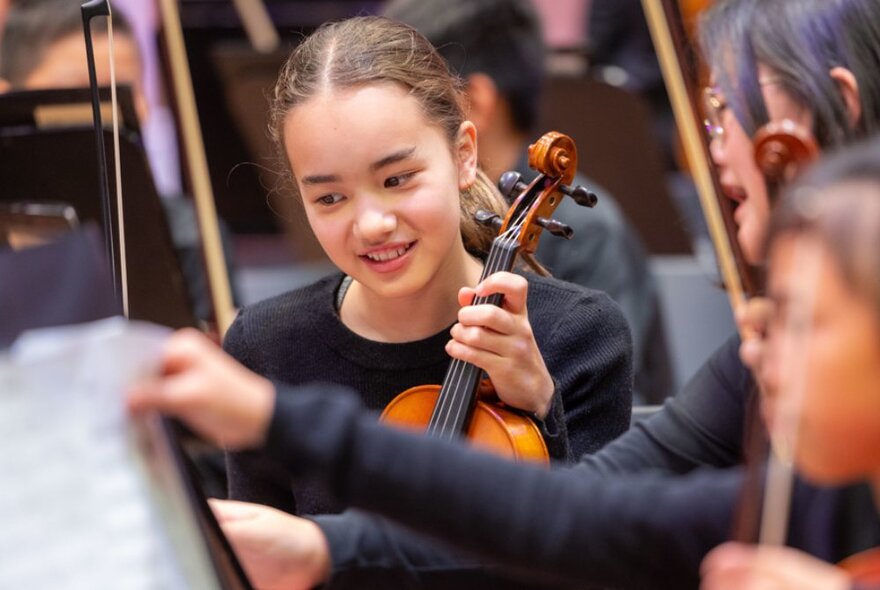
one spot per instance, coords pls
(371, 124)
(703, 425)
(821, 360)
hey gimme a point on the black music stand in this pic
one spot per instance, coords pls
(47, 155)
(35, 277)
(228, 571)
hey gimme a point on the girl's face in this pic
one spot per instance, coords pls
(738, 173)
(380, 185)
(824, 359)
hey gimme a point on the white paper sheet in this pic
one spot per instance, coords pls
(77, 510)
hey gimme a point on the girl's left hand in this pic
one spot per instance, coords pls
(500, 341)
(746, 567)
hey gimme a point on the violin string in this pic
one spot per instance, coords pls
(447, 403)
(452, 407)
(452, 403)
(456, 406)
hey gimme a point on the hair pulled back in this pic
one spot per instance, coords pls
(369, 50)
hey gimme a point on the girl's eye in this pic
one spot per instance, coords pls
(400, 179)
(330, 199)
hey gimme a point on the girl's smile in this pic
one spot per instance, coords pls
(389, 258)
(381, 185)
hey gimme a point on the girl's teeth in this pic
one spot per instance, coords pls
(386, 255)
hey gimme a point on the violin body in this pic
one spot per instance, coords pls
(493, 427)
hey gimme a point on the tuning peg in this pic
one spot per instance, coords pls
(488, 218)
(511, 185)
(581, 196)
(557, 228)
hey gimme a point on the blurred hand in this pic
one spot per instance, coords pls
(277, 550)
(500, 341)
(747, 567)
(209, 391)
(753, 319)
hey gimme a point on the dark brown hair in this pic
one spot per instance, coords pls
(366, 50)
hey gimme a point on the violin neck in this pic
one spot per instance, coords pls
(458, 393)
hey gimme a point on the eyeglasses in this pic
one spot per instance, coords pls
(713, 108)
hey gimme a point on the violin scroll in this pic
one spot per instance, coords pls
(783, 149)
(554, 155)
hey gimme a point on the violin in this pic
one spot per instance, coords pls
(782, 150)
(464, 404)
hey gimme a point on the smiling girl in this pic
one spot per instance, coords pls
(372, 125)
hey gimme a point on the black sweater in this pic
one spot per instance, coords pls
(634, 531)
(645, 531)
(298, 338)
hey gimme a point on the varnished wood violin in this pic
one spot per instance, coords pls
(464, 404)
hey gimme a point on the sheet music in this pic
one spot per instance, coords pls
(78, 508)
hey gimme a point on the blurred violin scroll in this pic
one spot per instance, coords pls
(782, 149)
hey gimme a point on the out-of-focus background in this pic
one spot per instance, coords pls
(602, 86)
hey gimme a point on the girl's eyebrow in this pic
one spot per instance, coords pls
(392, 158)
(320, 179)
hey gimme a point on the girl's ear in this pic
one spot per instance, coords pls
(849, 89)
(4, 86)
(466, 149)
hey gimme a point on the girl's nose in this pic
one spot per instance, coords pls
(375, 225)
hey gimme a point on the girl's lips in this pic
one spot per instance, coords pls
(388, 258)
